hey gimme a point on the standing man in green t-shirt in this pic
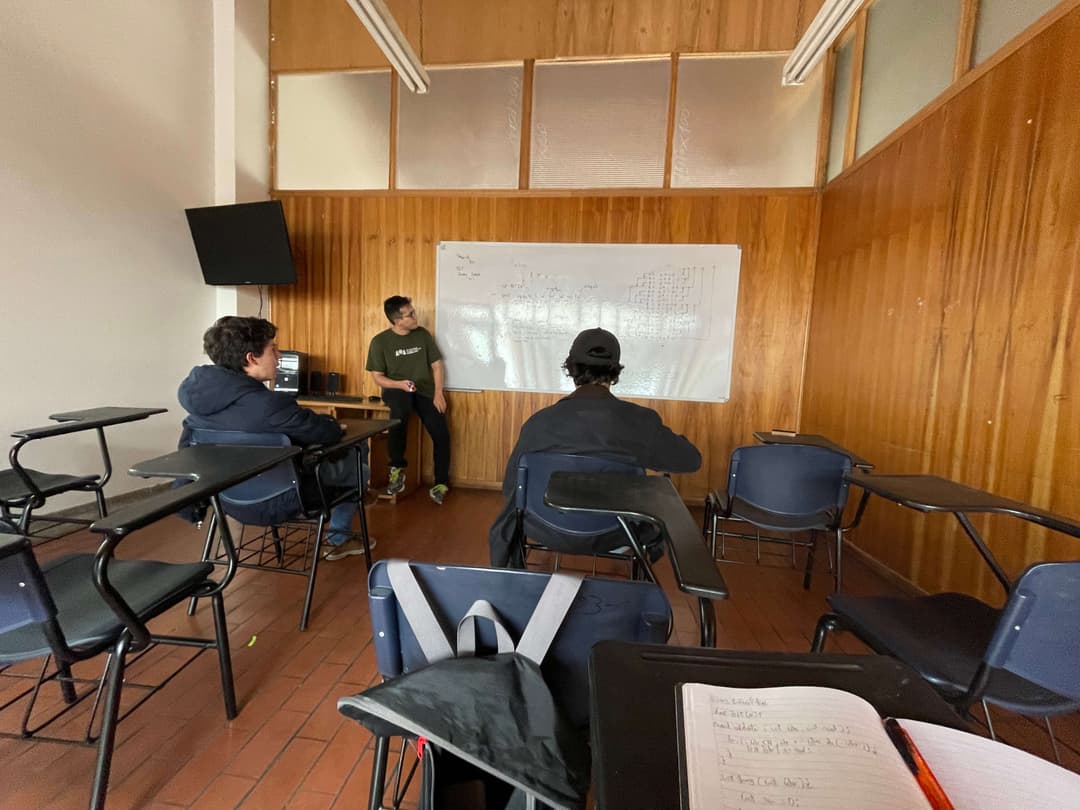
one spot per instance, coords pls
(407, 365)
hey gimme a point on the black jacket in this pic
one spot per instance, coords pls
(219, 399)
(589, 422)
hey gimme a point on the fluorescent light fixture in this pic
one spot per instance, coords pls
(820, 35)
(384, 29)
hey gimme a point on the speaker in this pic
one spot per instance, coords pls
(333, 384)
(315, 383)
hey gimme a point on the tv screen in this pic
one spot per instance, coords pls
(245, 243)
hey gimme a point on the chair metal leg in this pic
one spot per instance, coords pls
(364, 536)
(989, 722)
(707, 617)
(378, 773)
(211, 525)
(314, 570)
(839, 552)
(67, 687)
(1053, 740)
(221, 630)
(115, 680)
(809, 561)
(279, 546)
(826, 624)
(102, 509)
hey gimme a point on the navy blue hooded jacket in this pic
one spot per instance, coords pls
(217, 398)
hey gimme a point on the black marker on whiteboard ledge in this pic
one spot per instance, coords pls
(410, 385)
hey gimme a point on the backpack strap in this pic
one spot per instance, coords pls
(548, 616)
(466, 630)
(418, 613)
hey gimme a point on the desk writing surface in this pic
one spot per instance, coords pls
(111, 413)
(814, 440)
(931, 493)
(634, 691)
(209, 468)
(651, 498)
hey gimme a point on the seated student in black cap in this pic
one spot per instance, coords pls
(590, 422)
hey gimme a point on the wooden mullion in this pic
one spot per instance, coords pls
(272, 134)
(828, 79)
(856, 88)
(525, 153)
(669, 148)
(394, 93)
(965, 37)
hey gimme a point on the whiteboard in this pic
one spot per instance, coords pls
(507, 312)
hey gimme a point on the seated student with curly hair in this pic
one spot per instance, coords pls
(231, 395)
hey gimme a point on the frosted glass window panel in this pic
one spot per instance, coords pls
(465, 133)
(736, 125)
(333, 130)
(841, 103)
(910, 48)
(599, 125)
(998, 21)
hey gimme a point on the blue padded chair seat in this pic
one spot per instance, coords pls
(942, 637)
(776, 521)
(13, 490)
(149, 587)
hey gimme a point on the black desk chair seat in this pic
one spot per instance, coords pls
(15, 492)
(776, 521)
(86, 604)
(1023, 657)
(87, 623)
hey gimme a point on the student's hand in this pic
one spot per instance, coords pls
(440, 402)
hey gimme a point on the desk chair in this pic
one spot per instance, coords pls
(603, 609)
(784, 488)
(292, 516)
(573, 532)
(1024, 657)
(81, 605)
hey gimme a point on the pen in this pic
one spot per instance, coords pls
(931, 788)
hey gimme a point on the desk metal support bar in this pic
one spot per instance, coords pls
(708, 621)
(1002, 577)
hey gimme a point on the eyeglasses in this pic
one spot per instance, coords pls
(410, 314)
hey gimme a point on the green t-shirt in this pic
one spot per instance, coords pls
(405, 357)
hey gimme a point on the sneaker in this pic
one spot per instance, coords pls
(397, 481)
(438, 492)
(350, 548)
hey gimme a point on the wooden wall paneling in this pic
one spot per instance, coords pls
(327, 35)
(965, 37)
(945, 308)
(382, 245)
(528, 71)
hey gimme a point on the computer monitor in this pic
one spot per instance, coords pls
(246, 243)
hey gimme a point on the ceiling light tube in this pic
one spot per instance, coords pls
(384, 29)
(823, 30)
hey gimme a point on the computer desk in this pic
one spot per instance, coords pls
(634, 691)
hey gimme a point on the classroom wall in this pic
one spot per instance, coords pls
(945, 307)
(355, 251)
(105, 137)
(326, 34)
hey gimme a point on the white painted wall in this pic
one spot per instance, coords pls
(106, 136)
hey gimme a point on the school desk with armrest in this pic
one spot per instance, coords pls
(653, 499)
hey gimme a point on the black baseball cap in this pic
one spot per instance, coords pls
(595, 347)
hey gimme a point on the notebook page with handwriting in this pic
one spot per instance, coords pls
(978, 773)
(799, 747)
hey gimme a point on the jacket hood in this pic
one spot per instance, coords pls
(210, 389)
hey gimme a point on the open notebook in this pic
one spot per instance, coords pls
(811, 747)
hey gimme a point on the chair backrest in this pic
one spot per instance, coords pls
(1038, 634)
(273, 483)
(604, 609)
(24, 595)
(534, 471)
(789, 479)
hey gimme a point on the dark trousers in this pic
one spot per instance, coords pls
(402, 404)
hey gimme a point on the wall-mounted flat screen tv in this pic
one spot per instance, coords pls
(245, 243)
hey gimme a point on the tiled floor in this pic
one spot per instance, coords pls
(289, 747)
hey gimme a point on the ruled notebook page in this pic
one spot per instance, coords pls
(978, 773)
(798, 747)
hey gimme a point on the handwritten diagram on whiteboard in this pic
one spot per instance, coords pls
(506, 313)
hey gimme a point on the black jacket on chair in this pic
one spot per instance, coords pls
(589, 422)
